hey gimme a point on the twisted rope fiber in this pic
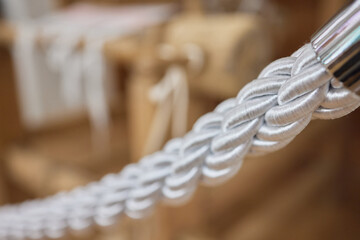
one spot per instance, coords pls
(264, 117)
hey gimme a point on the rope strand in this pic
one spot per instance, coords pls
(265, 116)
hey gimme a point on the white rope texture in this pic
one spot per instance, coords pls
(265, 116)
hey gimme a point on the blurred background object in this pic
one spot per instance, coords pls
(90, 86)
(22, 10)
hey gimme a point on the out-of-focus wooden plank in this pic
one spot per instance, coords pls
(120, 231)
(3, 189)
(140, 113)
(7, 34)
(140, 109)
(73, 145)
(236, 53)
(10, 125)
(123, 50)
(291, 203)
(41, 177)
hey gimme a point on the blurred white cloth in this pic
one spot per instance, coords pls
(24, 10)
(58, 78)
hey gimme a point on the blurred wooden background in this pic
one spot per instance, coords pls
(308, 190)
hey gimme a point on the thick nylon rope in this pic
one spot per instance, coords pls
(265, 116)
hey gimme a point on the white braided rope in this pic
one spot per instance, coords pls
(265, 116)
